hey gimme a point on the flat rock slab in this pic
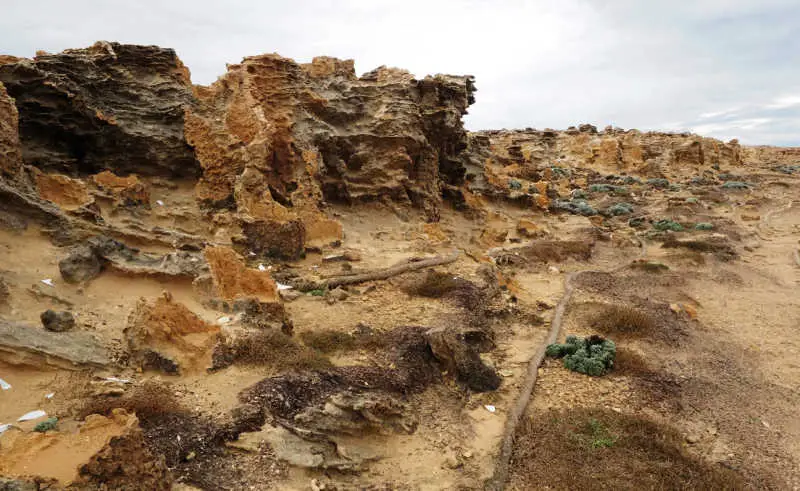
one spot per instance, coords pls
(21, 344)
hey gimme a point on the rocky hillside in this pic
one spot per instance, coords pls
(300, 277)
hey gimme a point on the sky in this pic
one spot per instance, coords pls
(720, 68)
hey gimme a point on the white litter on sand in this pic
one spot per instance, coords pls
(490, 408)
(261, 267)
(281, 286)
(115, 379)
(159, 202)
(4, 385)
(48, 282)
(50, 395)
(32, 415)
(3, 428)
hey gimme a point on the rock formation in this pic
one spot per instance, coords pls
(275, 138)
(111, 106)
(10, 152)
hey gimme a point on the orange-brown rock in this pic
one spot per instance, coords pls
(165, 335)
(234, 280)
(127, 191)
(66, 192)
(103, 453)
(10, 150)
(275, 138)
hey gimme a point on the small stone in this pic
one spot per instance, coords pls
(290, 295)
(338, 294)
(553, 270)
(81, 264)
(57, 321)
(692, 438)
(451, 461)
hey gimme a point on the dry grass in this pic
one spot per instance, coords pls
(602, 449)
(624, 320)
(720, 249)
(329, 340)
(151, 399)
(270, 348)
(548, 251)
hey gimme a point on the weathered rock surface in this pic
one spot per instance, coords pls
(275, 137)
(165, 335)
(58, 321)
(10, 150)
(537, 165)
(87, 260)
(26, 345)
(110, 106)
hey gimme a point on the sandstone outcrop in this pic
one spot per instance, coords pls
(275, 138)
(10, 150)
(537, 165)
(165, 335)
(111, 106)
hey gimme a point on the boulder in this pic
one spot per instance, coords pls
(58, 321)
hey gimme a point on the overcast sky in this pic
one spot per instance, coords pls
(722, 68)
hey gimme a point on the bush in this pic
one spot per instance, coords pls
(609, 188)
(46, 425)
(620, 209)
(576, 207)
(514, 184)
(704, 226)
(663, 225)
(593, 355)
(735, 185)
(659, 182)
(622, 319)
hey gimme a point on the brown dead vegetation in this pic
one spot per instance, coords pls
(268, 348)
(719, 247)
(547, 251)
(150, 399)
(624, 320)
(603, 449)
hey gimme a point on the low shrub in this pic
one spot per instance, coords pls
(663, 225)
(593, 355)
(704, 226)
(620, 209)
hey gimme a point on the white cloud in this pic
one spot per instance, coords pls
(541, 63)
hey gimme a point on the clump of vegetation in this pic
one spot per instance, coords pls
(664, 225)
(148, 400)
(620, 209)
(788, 169)
(575, 206)
(692, 200)
(595, 434)
(735, 185)
(704, 226)
(593, 355)
(547, 251)
(328, 340)
(578, 194)
(609, 188)
(559, 172)
(636, 222)
(622, 319)
(268, 347)
(514, 184)
(317, 293)
(651, 266)
(47, 425)
(604, 449)
(658, 182)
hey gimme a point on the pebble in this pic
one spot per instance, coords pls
(692, 438)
